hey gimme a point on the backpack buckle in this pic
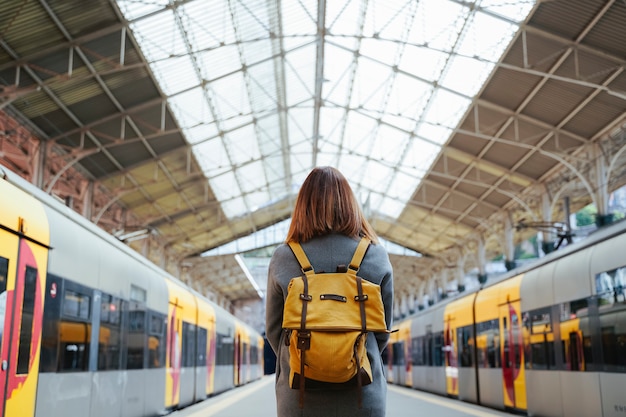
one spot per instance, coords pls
(304, 340)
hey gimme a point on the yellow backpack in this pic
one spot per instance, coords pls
(327, 317)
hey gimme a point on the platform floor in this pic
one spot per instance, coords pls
(257, 399)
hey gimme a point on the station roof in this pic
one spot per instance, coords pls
(202, 118)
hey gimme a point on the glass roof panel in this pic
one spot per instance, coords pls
(338, 75)
(202, 131)
(226, 186)
(219, 62)
(134, 9)
(190, 108)
(300, 123)
(369, 87)
(406, 102)
(229, 98)
(241, 145)
(236, 205)
(212, 157)
(413, 58)
(392, 207)
(397, 77)
(389, 145)
(252, 177)
(299, 75)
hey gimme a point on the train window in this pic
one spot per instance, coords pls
(138, 294)
(611, 289)
(538, 327)
(74, 346)
(611, 286)
(136, 336)
(254, 354)
(225, 354)
(26, 327)
(574, 330)
(438, 343)
(488, 344)
(202, 346)
(398, 353)
(417, 351)
(614, 348)
(465, 342)
(189, 345)
(74, 331)
(156, 340)
(110, 340)
(76, 305)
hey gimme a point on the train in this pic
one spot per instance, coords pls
(89, 327)
(546, 339)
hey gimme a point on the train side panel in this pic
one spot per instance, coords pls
(23, 265)
(242, 354)
(108, 379)
(512, 344)
(250, 359)
(488, 331)
(459, 348)
(86, 324)
(543, 385)
(106, 295)
(415, 354)
(224, 351)
(205, 370)
(608, 281)
(427, 355)
(405, 366)
(181, 338)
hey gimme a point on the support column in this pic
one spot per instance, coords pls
(411, 301)
(431, 291)
(397, 312)
(603, 217)
(39, 164)
(421, 299)
(88, 200)
(547, 237)
(509, 248)
(460, 277)
(404, 307)
(482, 260)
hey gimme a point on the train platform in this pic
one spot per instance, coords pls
(257, 399)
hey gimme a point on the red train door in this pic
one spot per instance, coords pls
(511, 356)
(22, 279)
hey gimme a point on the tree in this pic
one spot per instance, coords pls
(586, 216)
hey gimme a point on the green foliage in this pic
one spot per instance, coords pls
(586, 216)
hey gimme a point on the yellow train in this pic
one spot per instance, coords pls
(90, 328)
(544, 340)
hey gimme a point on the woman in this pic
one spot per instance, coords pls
(328, 222)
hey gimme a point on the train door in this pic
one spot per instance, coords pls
(450, 356)
(22, 280)
(511, 354)
(174, 355)
(237, 359)
(406, 371)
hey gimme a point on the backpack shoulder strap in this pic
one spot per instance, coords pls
(304, 262)
(359, 254)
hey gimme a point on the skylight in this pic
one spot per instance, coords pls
(398, 76)
(276, 234)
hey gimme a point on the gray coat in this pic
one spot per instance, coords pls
(325, 253)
